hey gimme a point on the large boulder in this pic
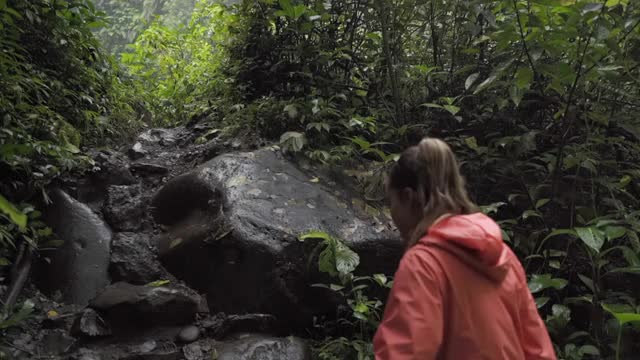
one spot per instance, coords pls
(128, 306)
(233, 226)
(257, 347)
(79, 268)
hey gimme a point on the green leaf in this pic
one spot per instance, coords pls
(558, 232)
(471, 80)
(524, 77)
(293, 141)
(314, 235)
(471, 142)
(346, 259)
(381, 279)
(591, 236)
(542, 202)
(492, 208)
(432, 105)
(542, 301)
(589, 350)
(614, 232)
(486, 83)
(291, 110)
(158, 283)
(16, 216)
(4, 261)
(627, 270)
(588, 282)
(451, 109)
(530, 213)
(18, 317)
(622, 317)
(71, 148)
(516, 95)
(545, 281)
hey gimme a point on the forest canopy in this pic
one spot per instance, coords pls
(539, 99)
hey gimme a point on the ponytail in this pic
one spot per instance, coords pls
(431, 170)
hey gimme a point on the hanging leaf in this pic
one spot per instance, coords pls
(542, 301)
(15, 215)
(588, 282)
(471, 80)
(524, 77)
(485, 84)
(516, 95)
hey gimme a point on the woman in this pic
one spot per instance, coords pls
(459, 292)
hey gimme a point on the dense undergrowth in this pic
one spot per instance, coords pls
(539, 98)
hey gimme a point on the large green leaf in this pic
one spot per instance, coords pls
(591, 236)
(545, 281)
(16, 216)
(346, 259)
(622, 317)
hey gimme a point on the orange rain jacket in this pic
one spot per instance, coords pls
(461, 294)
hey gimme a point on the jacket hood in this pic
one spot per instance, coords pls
(476, 239)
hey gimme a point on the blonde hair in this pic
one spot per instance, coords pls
(432, 171)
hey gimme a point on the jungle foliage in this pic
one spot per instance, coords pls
(539, 98)
(59, 91)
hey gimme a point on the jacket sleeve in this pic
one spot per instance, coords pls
(534, 336)
(412, 325)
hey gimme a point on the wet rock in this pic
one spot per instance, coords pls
(85, 354)
(111, 168)
(56, 342)
(221, 325)
(79, 268)
(256, 323)
(236, 220)
(253, 347)
(90, 323)
(148, 169)
(160, 136)
(137, 151)
(126, 305)
(124, 209)
(194, 352)
(189, 334)
(134, 261)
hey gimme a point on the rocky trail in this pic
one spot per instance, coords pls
(183, 249)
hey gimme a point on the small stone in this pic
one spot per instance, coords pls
(189, 334)
(136, 151)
